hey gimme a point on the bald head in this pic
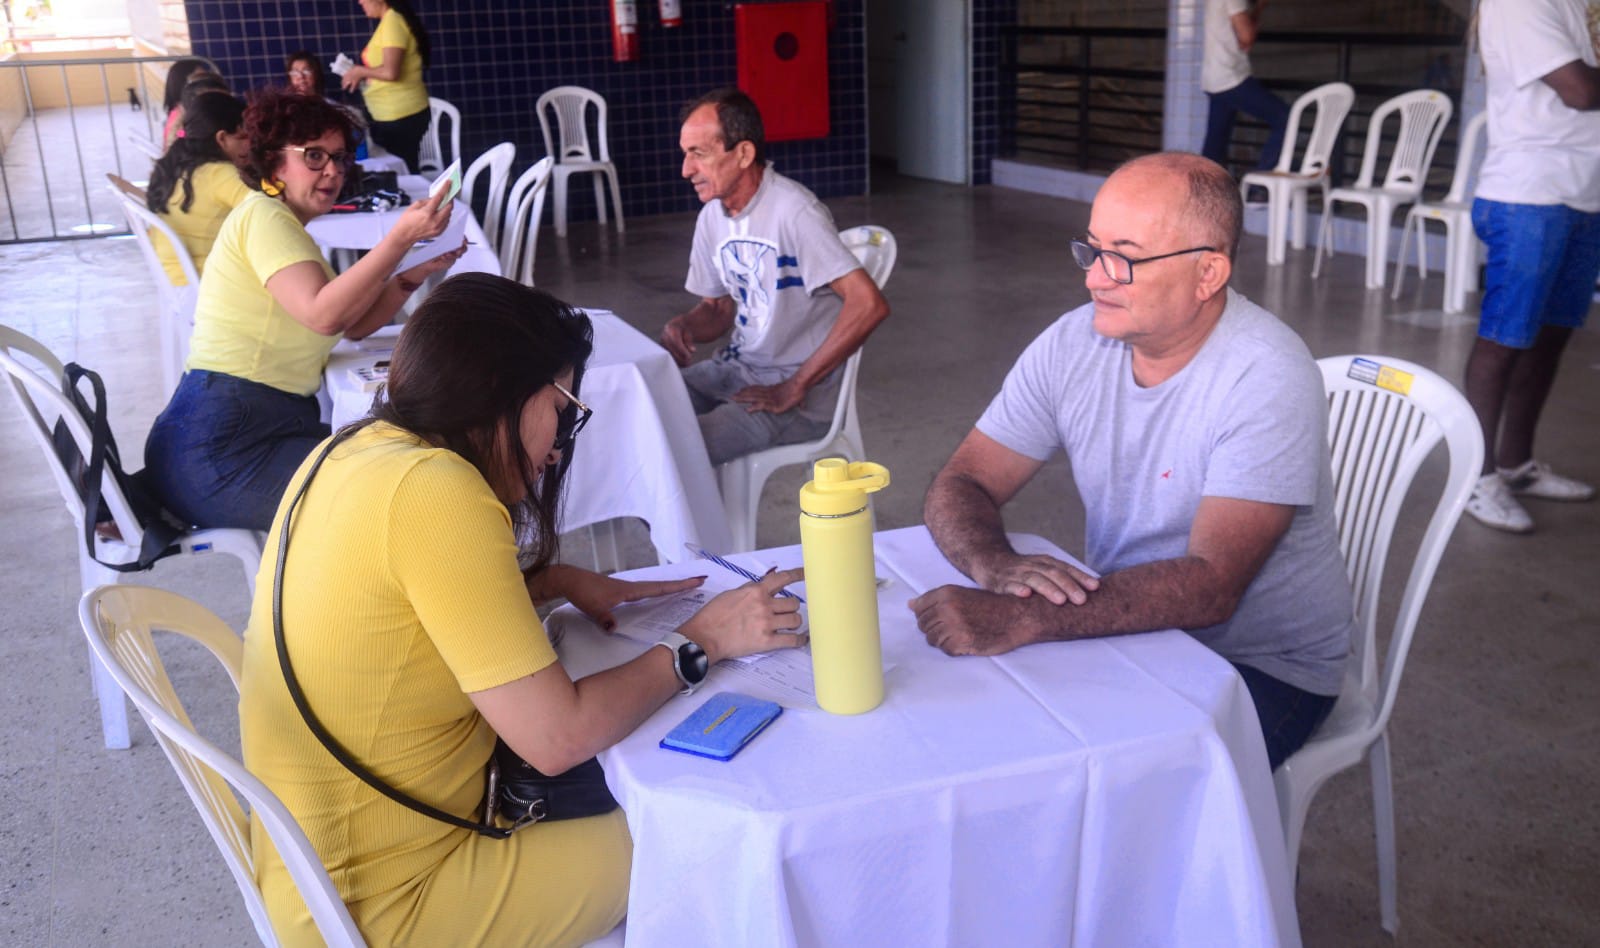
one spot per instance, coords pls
(1208, 208)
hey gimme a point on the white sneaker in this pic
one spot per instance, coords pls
(1535, 479)
(1492, 504)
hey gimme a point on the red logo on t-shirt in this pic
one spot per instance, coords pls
(1167, 474)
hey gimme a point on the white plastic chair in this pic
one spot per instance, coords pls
(497, 162)
(520, 235)
(742, 479)
(35, 377)
(144, 146)
(1455, 213)
(573, 153)
(177, 302)
(1378, 437)
(1286, 187)
(430, 154)
(118, 622)
(1423, 117)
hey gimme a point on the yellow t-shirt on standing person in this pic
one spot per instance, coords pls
(239, 329)
(218, 189)
(391, 101)
(401, 595)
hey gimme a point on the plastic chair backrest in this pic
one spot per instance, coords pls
(177, 302)
(144, 145)
(1424, 113)
(1378, 438)
(876, 249)
(524, 208)
(571, 104)
(497, 162)
(1468, 157)
(430, 153)
(118, 621)
(1332, 102)
(36, 378)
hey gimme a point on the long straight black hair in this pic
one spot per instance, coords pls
(202, 120)
(466, 364)
(178, 77)
(409, 14)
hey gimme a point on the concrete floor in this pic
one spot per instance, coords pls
(1499, 834)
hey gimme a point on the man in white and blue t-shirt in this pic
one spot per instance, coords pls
(768, 264)
(1196, 426)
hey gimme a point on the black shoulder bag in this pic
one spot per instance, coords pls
(161, 532)
(517, 790)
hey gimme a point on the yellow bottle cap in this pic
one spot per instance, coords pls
(839, 488)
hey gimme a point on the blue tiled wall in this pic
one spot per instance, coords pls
(988, 18)
(493, 59)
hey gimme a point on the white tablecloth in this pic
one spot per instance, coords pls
(641, 455)
(362, 231)
(1103, 792)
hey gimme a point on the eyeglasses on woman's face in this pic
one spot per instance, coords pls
(569, 420)
(317, 159)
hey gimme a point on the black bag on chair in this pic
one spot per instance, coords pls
(161, 530)
(517, 790)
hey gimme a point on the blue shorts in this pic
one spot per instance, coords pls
(1543, 261)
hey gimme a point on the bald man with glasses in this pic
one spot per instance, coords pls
(1195, 423)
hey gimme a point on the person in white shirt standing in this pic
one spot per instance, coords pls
(1537, 209)
(1230, 31)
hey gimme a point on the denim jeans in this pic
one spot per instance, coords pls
(1251, 98)
(224, 448)
(732, 431)
(1288, 715)
(1543, 259)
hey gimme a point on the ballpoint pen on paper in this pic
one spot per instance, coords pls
(735, 568)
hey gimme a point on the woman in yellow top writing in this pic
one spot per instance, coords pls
(390, 78)
(196, 183)
(269, 311)
(412, 634)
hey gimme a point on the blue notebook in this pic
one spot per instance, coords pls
(722, 726)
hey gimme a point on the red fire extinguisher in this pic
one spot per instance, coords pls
(671, 13)
(624, 31)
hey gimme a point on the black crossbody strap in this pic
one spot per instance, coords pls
(328, 741)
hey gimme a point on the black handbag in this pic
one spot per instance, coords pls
(517, 790)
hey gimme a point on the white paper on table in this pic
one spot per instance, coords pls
(424, 250)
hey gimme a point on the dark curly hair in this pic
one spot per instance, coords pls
(277, 118)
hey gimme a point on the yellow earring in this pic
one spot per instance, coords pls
(271, 188)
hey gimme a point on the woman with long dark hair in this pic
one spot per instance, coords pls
(414, 640)
(178, 77)
(270, 309)
(196, 184)
(390, 78)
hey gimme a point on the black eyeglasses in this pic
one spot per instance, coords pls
(569, 420)
(316, 158)
(1117, 266)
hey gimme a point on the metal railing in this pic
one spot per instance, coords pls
(61, 132)
(1090, 98)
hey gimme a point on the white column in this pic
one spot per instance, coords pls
(1183, 126)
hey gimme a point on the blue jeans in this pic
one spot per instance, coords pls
(1251, 98)
(1543, 259)
(732, 431)
(224, 448)
(1288, 715)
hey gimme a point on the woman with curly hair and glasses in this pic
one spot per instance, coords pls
(413, 638)
(269, 311)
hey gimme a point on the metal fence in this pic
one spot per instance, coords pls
(65, 124)
(1091, 98)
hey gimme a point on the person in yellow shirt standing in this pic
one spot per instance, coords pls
(269, 311)
(196, 183)
(390, 78)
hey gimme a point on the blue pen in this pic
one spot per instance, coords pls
(736, 568)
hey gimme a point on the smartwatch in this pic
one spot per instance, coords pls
(688, 660)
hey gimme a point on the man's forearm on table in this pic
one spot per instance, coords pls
(1182, 593)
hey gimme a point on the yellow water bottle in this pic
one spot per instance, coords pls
(841, 583)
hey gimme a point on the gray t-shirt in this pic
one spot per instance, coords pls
(1246, 419)
(776, 258)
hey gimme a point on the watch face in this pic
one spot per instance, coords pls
(692, 661)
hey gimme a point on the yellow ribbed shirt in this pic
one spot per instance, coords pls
(401, 596)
